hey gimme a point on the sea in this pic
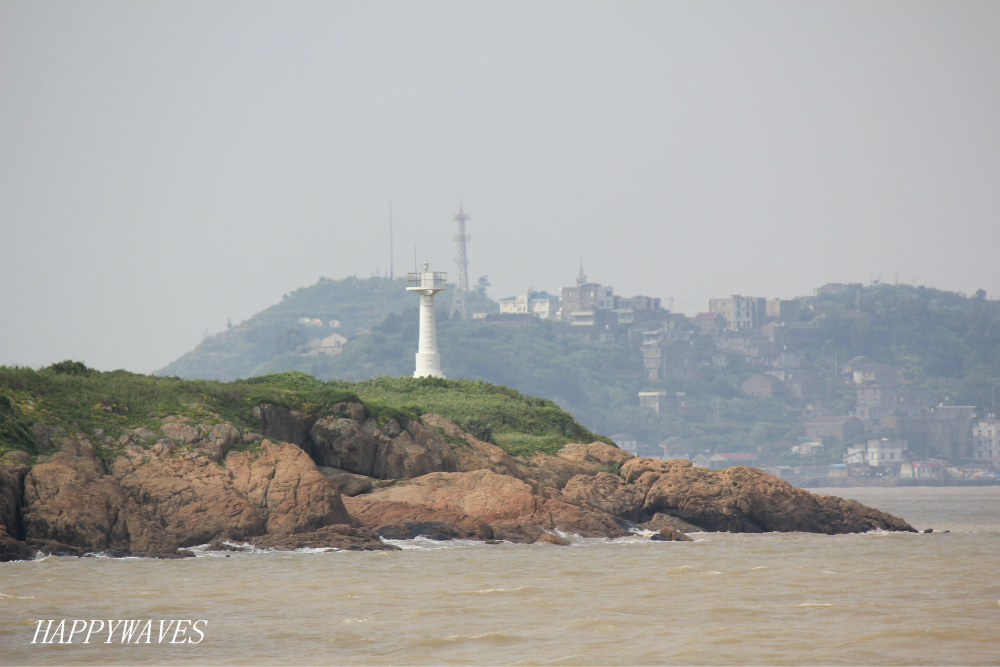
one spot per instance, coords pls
(723, 599)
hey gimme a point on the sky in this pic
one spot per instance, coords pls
(166, 166)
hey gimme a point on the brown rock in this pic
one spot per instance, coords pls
(604, 491)
(220, 439)
(346, 444)
(476, 455)
(181, 432)
(597, 453)
(417, 451)
(329, 537)
(285, 425)
(665, 520)
(11, 491)
(70, 499)
(348, 484)
(18, 457)
(352, 410)
(551, 538)
(283, 482)
(669, 534)
(555, 471)
(742, 499)
(481, 502)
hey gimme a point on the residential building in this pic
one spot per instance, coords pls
(626, 443)
(878, 453)
(741, 312)
(837, 429)
(331, 345)
(800, 384)
(542, 304)
(511, 319)
(986, 441)
(808, 448)
(586, 297)
(713, 324)
(921, 470)
(781, 310)
(662, 357)
(662, 402)
(765, 386)
(700, 461)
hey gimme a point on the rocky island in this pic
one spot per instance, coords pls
(345, 474)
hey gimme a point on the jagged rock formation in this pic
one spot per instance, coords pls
(185, 485)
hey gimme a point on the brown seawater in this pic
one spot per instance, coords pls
(773, 599)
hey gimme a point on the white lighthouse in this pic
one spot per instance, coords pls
(427, 284)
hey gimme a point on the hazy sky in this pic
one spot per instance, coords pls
(166, 166)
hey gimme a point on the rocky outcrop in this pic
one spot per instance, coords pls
(742, 499)
(284, 425)
(158, 500)
(11, 492)
(482, 505)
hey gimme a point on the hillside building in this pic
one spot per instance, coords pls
(741, 312)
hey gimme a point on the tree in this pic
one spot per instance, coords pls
(482, 284)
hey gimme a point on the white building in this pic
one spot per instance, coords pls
(986, 441)
(542, 304)
(426, 284)
(878, 453)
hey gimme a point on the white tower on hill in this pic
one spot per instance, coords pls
(427, 284)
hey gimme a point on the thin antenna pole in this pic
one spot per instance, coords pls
(392, 274)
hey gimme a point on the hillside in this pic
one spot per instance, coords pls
(356, 303)
(71, 396)
(942, 342)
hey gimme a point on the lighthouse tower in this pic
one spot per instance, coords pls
(427, 284)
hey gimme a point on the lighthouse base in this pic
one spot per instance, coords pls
(428, 365)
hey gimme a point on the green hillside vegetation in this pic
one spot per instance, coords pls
(275, 333)
(79, 399)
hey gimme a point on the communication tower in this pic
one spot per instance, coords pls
(427, 284)
(459, 301)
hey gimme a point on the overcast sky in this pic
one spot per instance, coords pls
(166, 166)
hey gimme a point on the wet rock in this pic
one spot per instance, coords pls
(551, 538)
(927, 530)
(665, 520)
(434, 530)
(331, 537)
(668, 534)
(219, 545)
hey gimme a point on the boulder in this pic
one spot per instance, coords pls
(347, 483)
(417, 451)
(551, 538)
(660, 521)
(597, 453)
(475, 454)
(219, 440)
(434, 530)
(11, 492)
(352, 410)
(669, 534)
(482, 503)
(181, 432)
(346, 444)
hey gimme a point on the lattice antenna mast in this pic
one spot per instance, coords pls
(581, 279)
(460, 299)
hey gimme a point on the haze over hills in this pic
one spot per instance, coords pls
(942, 343)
